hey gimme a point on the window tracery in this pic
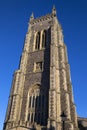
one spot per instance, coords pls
(41, 38)
(36, 105)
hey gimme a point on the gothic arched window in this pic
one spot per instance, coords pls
(36, 102)
(44, 39)
(37, 44)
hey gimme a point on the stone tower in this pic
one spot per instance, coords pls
(41, 88)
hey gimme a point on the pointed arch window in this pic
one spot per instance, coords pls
(44, 39)
(37, 44)
(36, 103)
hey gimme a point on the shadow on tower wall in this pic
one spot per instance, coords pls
(42, 101)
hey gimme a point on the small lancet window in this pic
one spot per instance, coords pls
(44, 39)
(37, 45)
(30, 102)
(29, 117)
(32, 118)
(33, 101)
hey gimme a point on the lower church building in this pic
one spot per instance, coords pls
(41, 96)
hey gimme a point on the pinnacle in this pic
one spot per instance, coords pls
(54, 10)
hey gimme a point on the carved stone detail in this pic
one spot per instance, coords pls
(41, 87)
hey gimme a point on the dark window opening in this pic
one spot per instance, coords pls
(30, 102)
(37, 45)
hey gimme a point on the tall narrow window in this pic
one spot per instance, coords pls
(44, 39)
(29, 117)
(32, 118)
(37, 45)
(36, 102)
(30, 102)
(37, 110)
(33, 101)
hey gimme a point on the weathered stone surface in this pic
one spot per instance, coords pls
(39, 96)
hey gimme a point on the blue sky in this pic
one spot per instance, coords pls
(14, 18)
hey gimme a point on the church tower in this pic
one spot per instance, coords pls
(41, 92)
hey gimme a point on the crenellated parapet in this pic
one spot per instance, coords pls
(41, 88)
